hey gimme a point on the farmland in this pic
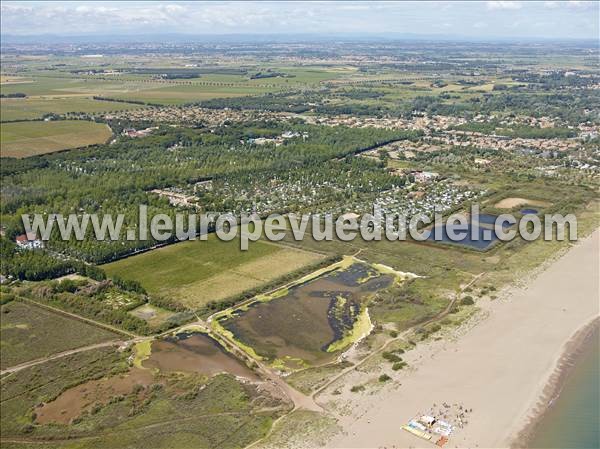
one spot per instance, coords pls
(195, 273)
(24, 139)
(15, 109)
(49, 90)
(29, 332)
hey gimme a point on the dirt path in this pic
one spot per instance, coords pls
(400, 337)
(21, 366)
(80, 318)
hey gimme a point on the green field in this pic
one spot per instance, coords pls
(138, 89)
(24, 139)
(29, 332)
(197, 272)
(179, 94)
(12, 109)
(51, 91)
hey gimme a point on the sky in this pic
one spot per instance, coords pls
(481, 19)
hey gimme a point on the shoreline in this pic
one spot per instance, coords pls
(497, 364)
(570, 356)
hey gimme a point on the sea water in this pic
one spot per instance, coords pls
(573, 420)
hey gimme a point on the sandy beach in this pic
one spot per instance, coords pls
(502, 365)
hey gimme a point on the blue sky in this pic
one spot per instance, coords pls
(485, 19)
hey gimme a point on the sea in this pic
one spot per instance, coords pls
(573, 420)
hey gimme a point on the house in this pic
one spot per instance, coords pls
(204, 185)
(28, 241)
(129, 132)
(425, 176)
(132, 132)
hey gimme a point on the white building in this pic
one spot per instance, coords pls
(28, 241)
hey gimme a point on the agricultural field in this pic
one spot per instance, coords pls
(31, 108)
(30, 332)
(24, 139)
(195, 273)
(48, 87)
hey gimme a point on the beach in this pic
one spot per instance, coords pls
(505, 365)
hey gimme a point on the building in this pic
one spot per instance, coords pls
(425, 176)
(28, 241)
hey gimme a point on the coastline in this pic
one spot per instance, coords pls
(570, 356)
(498, 363)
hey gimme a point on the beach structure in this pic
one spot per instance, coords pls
(430, 429)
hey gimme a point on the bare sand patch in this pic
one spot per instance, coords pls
(154, 316)
(509, 203)
(73, 402)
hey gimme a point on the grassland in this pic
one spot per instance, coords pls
(197, 272)
(24, 139)
(29, 332)
(301, 428)
(183, 410)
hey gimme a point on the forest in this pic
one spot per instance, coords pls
(115, 179)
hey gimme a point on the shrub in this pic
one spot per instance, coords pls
(467, 301)
(399, 365)
(434, 328)
(5, 298)
(384, 378)
(357, 388)
(391, 357)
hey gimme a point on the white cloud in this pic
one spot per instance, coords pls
(579, 4)
(573, 4)
(551, 5)
(173, 16)
(510, 5)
